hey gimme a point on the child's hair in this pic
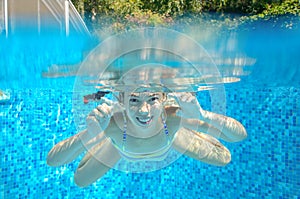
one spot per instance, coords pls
(120, 97)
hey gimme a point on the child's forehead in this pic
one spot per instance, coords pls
(143, 94)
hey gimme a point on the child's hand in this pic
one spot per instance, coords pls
(189, 105)
(99, 118)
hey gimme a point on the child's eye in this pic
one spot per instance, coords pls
(153, 99)
(133, 100)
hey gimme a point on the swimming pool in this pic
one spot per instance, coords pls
(265, 101)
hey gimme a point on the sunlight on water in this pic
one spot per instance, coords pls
(237, 53)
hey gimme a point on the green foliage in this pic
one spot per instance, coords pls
(147, 18)
(124, 7)
(287, 7)
(237, 6)
(121, 14)
(173, 7)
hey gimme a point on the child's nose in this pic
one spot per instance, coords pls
(144, 109)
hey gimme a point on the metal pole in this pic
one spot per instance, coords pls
(39, 16)
(67, 17)
(6, 17)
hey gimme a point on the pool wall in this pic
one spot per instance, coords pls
(265, 165)
(266, 102)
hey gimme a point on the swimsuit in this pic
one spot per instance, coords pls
(157, 155)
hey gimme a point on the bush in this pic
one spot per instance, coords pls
(288, 7)
(133, 13)
(284, 8)
(123, 7)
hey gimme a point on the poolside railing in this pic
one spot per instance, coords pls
(40, 15)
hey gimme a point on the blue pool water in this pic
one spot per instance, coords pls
(265, 101)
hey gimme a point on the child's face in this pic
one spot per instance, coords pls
(145, 108)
